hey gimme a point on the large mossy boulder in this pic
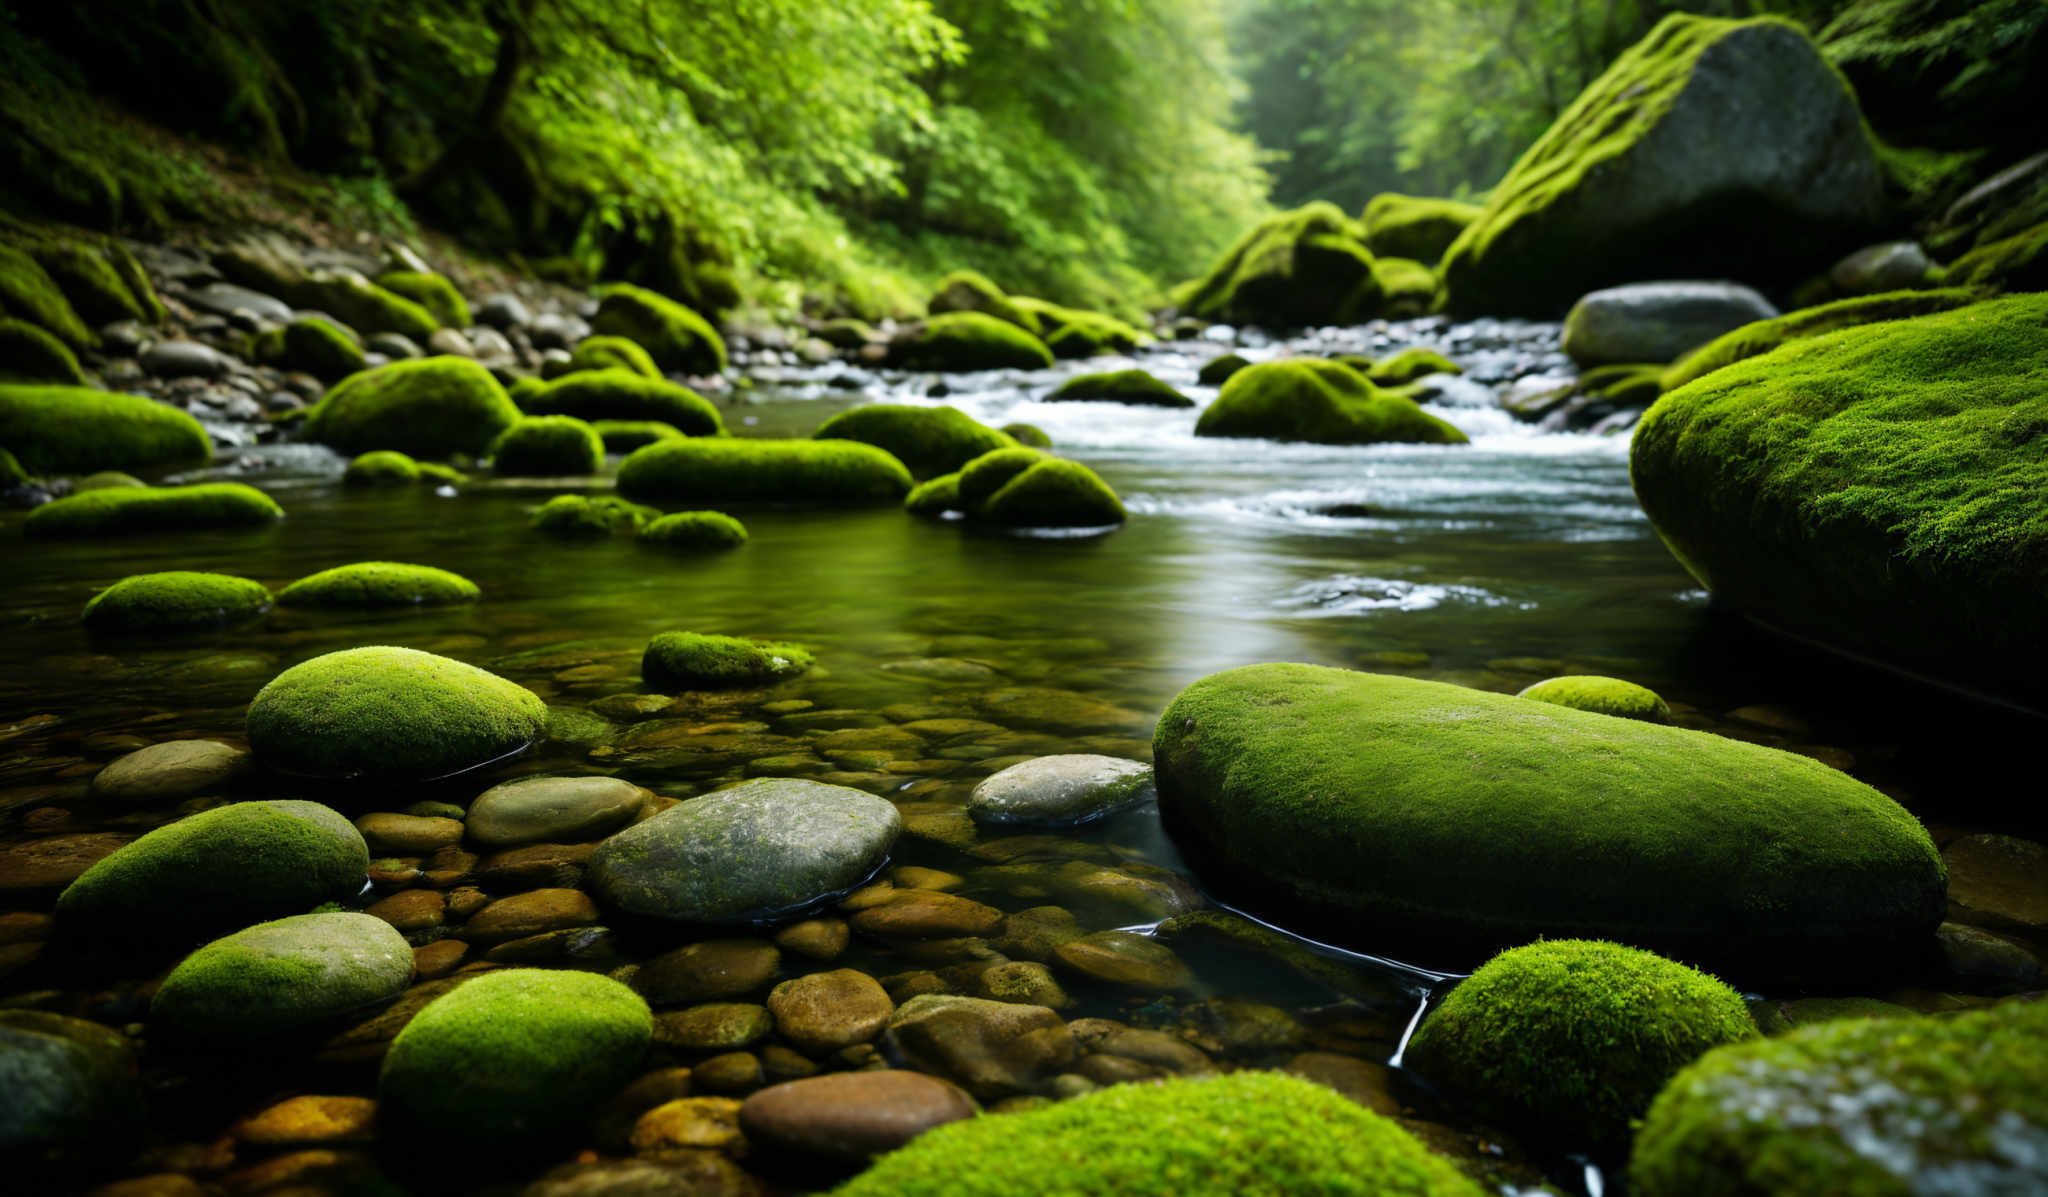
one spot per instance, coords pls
(1414, 227)
(1306, 399)
(1766, 335)
(548, 446)
(964, 341)
(431, 407)
(319, 347)
(929, 440)
(379, 585)
(704, 470)
(175, 601)
(73, 1097)
(1305, 267)
(1134, 387)
(1861, 1105)
(1051, 493)
(276, 978)
(759, 850)
(1380, 809)
(130, 510)
(678, 339)
(1657, 322)
(72, 430)
(1249, 1134)
(389, 713)
(1710, 149)
(972, 291)
(621, 394)
(1876, 489)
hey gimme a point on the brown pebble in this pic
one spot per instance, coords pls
(926, 914)
(410, 909)
(466, 900)
(708, 971)
(391, 834)
(735, 1073)
(1125, 958)
(531, 913)
(706, 1122)
(824, 1012)
(439, 958)
(162, 1184)
(304, 1121)
(714, 1026)
(819, 938)
(867, 896)
(850, 1117)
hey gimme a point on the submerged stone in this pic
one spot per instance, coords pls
(676, 661)
(73, 1094)
(554, 810)
(719, 471)
(1060, 791)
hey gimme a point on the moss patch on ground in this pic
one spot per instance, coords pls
(727, 470)
(71, 430)
(129, 510)
(1306, 399)
(30, 355)
(27, 292)
(929, 440)
(178, 600)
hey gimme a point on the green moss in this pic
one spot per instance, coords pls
(1766, 335)
(436, 474)
(1121, 386)
(1304, 399)
(677, 661)
(1249, 1134)
(106, 479)
(373, 584)
(522, 389)
(724, 470)
(620, 394)
(30, 355)
(678, 339)
(1574, 1037)
(1030, 436)
(1053, 493)
(929, 440)
(990, 472)
(1217, 370)
(1309, 266)
(136, 280)
(155, 509)
(389, 713)
(27, 292)
(1604, 695)
(176, 601)
(514, 1057)
(266, 348)
(11, 473)
(970, 291)
(319, 348)
(1091, 334)
(935, 497)
(432, 292)
(1407, 288)
(1413, 227)
(89, 280)
(381, 467)
(432, 407)
(624, 436)
(583, 515)
(1863, 1108)
(1632, 384)
(612, 353)
(1410, 364)
(365, 306)
(548, 446)
(283, 976)
(960, 341)
(2017, 263)
(695, 530)
(70, 430)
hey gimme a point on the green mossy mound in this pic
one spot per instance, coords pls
(1603, 695)
(1134, 387)
(218, 871)
(514, 1059)
(963, 341)
(1091, 334)
(934, 498)
(1218, 370)
(1407, 288)
(1574, 1037)
(678, 339)
(588, 516)
(106, 479)
(371, 585)
(27, 292)
(1414, 227)
(620, 394)
(103, 283)
(1766, 335)
(364, 306)
(1864, 1106)
(1249, 1134)
(276, 978)
(929, 440)
(1304, 399)
(548, 446)
(624, 436)
(1305, 267)
(847, 334)
(1462, 821)
(321, 349)
(677, 661)
(432, 407)
(724, 470)
(971, 291)
(1054, 493)
(71, 430)
(1876, 489)
(176, 601)
(390, 713)
(1031, 436)
(381, 467)
(689, 531)
(612, 353)
(30, 355)
(432, 292)
(990, 472)
(126, 510)
(1410, 364)
(2017, 263)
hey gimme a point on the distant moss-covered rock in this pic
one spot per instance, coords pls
(612, 353)
(30, 355)
(1217, 370)
(1603, 695)
(678, 339)
(548, 446)
(1413, 227)
(370, 585)
(27, 292)
(128, 510)
(1410, 364)
(294, 974)
(935, 497)
(1574, 1037)
(71, 430)
(1407, 288)
(1091, 334)
(1305, 267)
(971, 291)
(1134, 387)
(103, 283)
(592, 516)
(695, 530)
(177, 601)
(432, 292)
(1029, 435)
(391, 713)
(363, 305)
(105, 480)
(676, 661)
(620, 394)
(961, 341)
(319, 348)
(728, 470)
(929, 440)
(1304, 399)
(381, 467)
(432, 407)
(624, 436)
(1766, 335)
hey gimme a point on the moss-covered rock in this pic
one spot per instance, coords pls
(1217, 370)
(1657, 322)
(1605, 695)
(73, 1096)
(1052, 493)
(990, 472)
(960, 341)
(1308, 266)
(1410, 364)
(676, 661)
(1873, 489)
(1134, 387)
(381, 467)
(1304, 399)
(620, 394)
(690, 531)
(624, 436)
(1408, 288)
(71, 430)
(2017, 263)
(1863, 1106)
(30, 355)
(1414, 227)
(612, 353)
(1030, 436)
(177, 601)
(321, 349)
(1456, 819)
(370, 585)
(1092, 334)
(1665, 168)
(847, 333)
(1574, 1037)
(971, 291)
(514, 1059)
(99, 290)
(276, 978)
(591, 516)
(929, 440)
(725, 470)
(935, 497)
(548, 446)
(432, 407)
(218, 871)
(126, 510)
(1255, 1134)
(363, 305)
(678, 339)
(432, 292)
(391, 713)
(27, 292)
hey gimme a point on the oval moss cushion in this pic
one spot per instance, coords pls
(728, 470)
(688, 530)
(1249, 1134)
(123, 510)
(390, 713)
(370, 584)
(929, 440)
(77, 430)
(1381, 806)
(512, 1057)
(1306, 399)
(973, 341)
(676, 661)
(1606, 695)
(176, 600)
(284, 976)
(621, 394)
(430, 407)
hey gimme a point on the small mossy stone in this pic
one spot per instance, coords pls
(431, 407)
(1030, 436)
(1217, 370)
(321, 349)
(1053, 493)
(432, 292)
(929, 440)
(846, 333)
(514, 1059)
(1305, 267)
(1410, 364)
(1304, 399)
(395, 713)
(1135, 387)
(1415, 227)
(128, 510)
(71, 430)
(612, 353)
(577, 516)
(676, 661)
(381, 467)
(434, 473)
(27, 292)
(1603, 695)
(990, 472)
(678, 339)
(624, 436)
(30, 355)
(1575, 1036)
(280, 977)
(720, 471)
(175, 601)
(620, 394)
(374, 585)
(695, 531)
(963, 341)
(934, 498)
(1765, 335)
(971, 291)
(548, 446)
